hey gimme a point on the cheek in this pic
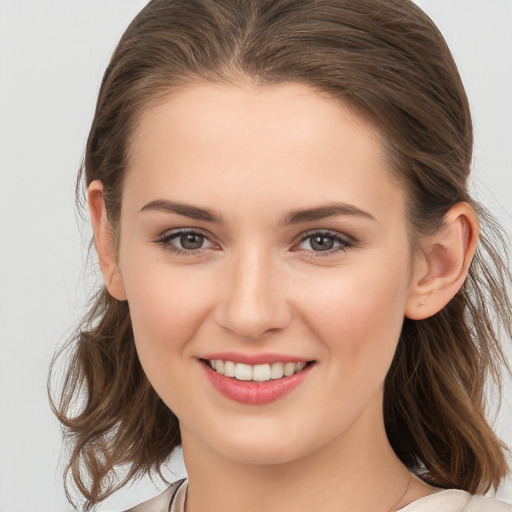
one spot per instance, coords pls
(358, 314)
(167, 307)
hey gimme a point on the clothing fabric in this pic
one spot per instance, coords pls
(454, 500)
(450, 500)
(171, 500)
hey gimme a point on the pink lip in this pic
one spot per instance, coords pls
(254, 393)
(253, 359)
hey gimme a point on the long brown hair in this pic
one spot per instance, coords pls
(386, 59)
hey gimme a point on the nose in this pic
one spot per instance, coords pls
(254, 298)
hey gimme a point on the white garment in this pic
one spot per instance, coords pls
(454, 500)
(450, 500)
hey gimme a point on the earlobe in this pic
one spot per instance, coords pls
(442, 268)
(104, 241)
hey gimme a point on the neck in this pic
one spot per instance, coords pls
(357, 472)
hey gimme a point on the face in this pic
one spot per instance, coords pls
(263, 235)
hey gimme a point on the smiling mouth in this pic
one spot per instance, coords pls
(258, 372)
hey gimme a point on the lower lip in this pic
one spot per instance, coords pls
(255, 393)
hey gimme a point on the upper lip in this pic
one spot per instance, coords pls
(254, 359)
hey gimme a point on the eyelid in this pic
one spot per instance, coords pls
(165, 240)
(168, 233)
(345, 242)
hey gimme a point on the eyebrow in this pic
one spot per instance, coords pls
(322, 212)
(293, 217)
(187, 210)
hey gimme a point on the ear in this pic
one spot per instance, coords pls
(104, 241)
(442, 268)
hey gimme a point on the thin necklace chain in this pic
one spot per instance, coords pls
(392, 509)
(395, 505)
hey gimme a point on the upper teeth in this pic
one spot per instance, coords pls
(258, 372)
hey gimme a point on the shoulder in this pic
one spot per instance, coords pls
(453, 500)
(484, 504)
(163, 502)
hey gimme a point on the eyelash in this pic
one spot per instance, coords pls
(344, 243)
(166, 239)
(166, 242)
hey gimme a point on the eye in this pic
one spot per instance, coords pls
(185, 241)
(327, 242)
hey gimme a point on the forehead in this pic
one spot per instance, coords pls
(214, 142)
(290, 111)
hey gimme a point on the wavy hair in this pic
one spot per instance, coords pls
(387, 60)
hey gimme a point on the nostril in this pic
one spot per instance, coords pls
(252, 321)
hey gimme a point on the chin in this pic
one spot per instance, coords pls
(261, 456)
(262, 447)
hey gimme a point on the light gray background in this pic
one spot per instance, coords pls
(52, 56)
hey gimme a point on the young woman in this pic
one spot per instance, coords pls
(299, 289)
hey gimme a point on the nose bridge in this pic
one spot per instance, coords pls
(255, 298)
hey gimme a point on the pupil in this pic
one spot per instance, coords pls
(322, 243)
(191, 241)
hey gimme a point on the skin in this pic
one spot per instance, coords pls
(256, 285)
